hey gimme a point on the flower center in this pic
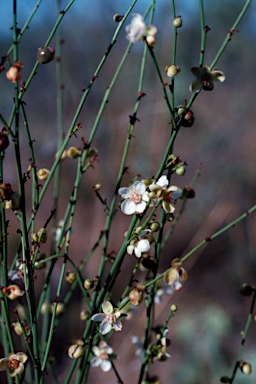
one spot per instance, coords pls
(111, 319)
(103, 355)
(135, 197)
(13, 364)
(168, 198)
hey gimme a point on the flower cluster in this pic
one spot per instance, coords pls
(136, 196)
(141, 244)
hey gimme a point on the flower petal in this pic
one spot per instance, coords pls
(128, 207)
(139, 187)
(195, 86)
(124, 192)
(118, 325)
(217, 75)
(96, 350)
(107, 307)
(163, 181)
(105, 327)
(95, 361)
(98, 317)
(106, 365)
(143, 245)
(140, 207)
(176, 192)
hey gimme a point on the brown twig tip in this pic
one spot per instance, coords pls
(207, 29)
(208, 239)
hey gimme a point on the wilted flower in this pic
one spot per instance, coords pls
(14, 74)
(159, 190)
(14, 363)
(135, 198)
(109, 318)
(138, 30)
(12, 292)
(205, 78)
(176, 275)
(141, 244)
(102, 353)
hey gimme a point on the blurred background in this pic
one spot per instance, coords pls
(205, 332)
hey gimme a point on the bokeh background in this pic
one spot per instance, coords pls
(205, 332)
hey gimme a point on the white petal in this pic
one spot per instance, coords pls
(140, 207)
(124, 192)
(137, 252)
(106, 365)
(130, 249)
(163, 181)
(107, 307)
(145, 196)
(144, 233)
(98, 317)
(118, 326)
(95, 361)
(96, 350)
(139, 187)
(128, 207)
(176, 192)
(105, 327)
(143, 245)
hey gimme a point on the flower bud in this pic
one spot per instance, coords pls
(84, 315)
(181, 170)
(172, 70)
(63, 156)
(177, 22)
(174, 308)
(70, 277)
(18, 329)
(155, 226)
(75, 351)
(137, 294)
(60, 308)
(245, 367)
(43, 173)
(41, 236)
(45, 55)
(117, 18)
(246, 290)
(38, 265)
(151, 40)
(4, 141)
(188, 119)
(88, 284)
(74, 152)
(91, 152)
(147, 181)
(97, 187)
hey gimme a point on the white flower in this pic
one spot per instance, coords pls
(109, 318)
(137, 30)
(140, 246)
(101, 358)
(135, 198)
(14, 363)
